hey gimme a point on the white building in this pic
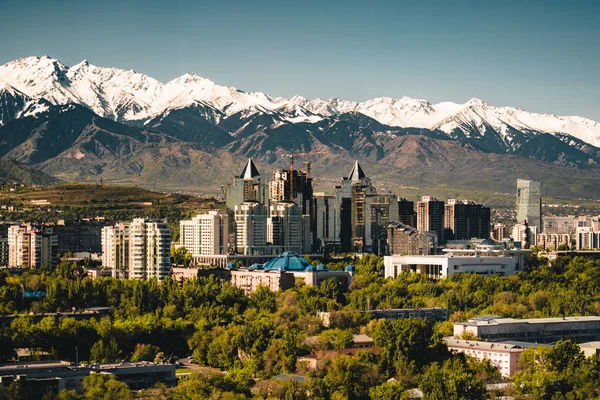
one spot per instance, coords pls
(250, 228)
(139, 249)
(586, 238)
(285, 228)
(205, 234)
(483, 260)
(504, 356)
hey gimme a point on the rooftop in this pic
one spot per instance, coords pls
(287, 262)
(480, 345)
(497, 320)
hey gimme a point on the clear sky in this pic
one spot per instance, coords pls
(542, 56)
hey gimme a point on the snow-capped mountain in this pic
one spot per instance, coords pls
(130, 97)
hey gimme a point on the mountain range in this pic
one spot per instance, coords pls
(85, 122)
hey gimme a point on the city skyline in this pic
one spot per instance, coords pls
(537, 56)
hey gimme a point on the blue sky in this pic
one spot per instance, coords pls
(542, 56)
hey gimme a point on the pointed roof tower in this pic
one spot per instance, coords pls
(249, 170)
(357, 173)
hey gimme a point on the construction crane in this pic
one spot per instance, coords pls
(291, 156)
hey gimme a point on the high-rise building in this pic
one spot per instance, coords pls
(406, 212)
(353, 198)
(465, 220)
(139, 249)
(326, 223)
(205, 234)
(294, 185)
(529, 203)
(74, 235)
(406, 240)
(284, 228)
(250, 228)
(248, 186)
(31, 248)
(430, 216)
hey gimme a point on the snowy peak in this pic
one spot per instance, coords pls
(127, 96)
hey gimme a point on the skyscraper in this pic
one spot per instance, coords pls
(250, 228)
(353, 197)
(466, 220)
(284, 228)
(430, 216)
(529, 203)
(248, 186)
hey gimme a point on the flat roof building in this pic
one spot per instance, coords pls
(542, 330)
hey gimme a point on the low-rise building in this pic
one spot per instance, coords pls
(279, 273)
(503, 356)
(540, 330)
(140, 375)
(486, 258)
(552, 241)
(590, 348)
(433, 315)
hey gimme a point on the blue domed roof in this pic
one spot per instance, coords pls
(287, 262)
(230, 265)
(309, 269)
(350, 268)
(321, 267)
(256, 266)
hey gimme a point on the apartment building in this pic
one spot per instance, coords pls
(139, 249)
(205, 234)
(31, 247)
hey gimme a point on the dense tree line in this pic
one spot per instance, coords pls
(258, 336)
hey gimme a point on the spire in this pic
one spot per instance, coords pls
(249, 170)
(357, 173)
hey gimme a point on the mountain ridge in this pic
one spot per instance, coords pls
(127, 96)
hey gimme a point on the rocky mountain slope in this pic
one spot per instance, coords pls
(85, 122)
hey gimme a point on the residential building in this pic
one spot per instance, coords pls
(430, 216)
(561, 225)
(529, 203)
(285, 228)
(77, 236)
(250, 228)
(466, 220)
(139, 249)
(552, 241)
(405, 240)
(504, 356)
(499, 232)
(292, 185)
(30, 247)
(586, 239)
(542, 330)
(205, 234)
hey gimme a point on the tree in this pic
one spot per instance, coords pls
(452, 380)
(390, 390)
(144, 352)
(351, 377)
(105, 387)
